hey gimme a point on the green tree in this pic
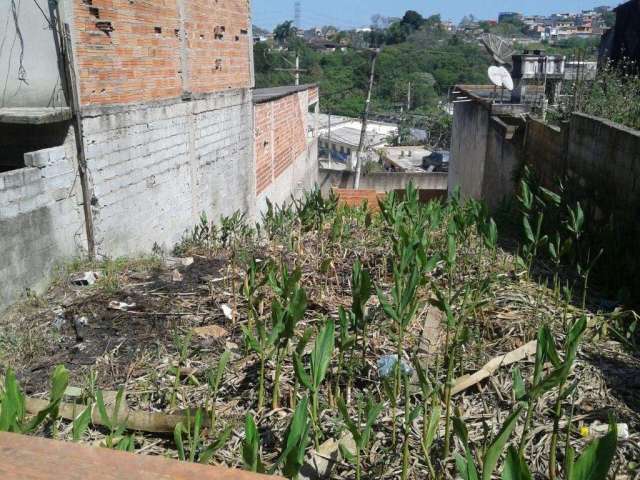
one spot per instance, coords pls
(284, 32)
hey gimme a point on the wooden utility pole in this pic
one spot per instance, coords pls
(409, 97)
(330, 156)
(295, 71)
(365, 118)
(74, 101)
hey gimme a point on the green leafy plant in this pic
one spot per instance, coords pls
(466, 465)
(431, 413)
(296, 441)
(194, 449)
(284, 318)
(251, 446)
(214, 380)
(361, 291)
(116, 439)
(346, 341)
(312, 380)
(81, 423)
(181, 343)
(13, 413)
(360, 429)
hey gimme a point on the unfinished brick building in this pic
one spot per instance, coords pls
(286, 142)
(121, 121)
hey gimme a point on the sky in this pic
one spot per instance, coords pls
(357, 13)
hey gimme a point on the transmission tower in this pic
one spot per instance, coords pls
(297, 9)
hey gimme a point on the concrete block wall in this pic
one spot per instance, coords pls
(155, 168)
(605, 155)
(468, 148)
(167, 117)
(546, 150)
(286, 148)
(41, 220)
(383, 182)
(503, 160)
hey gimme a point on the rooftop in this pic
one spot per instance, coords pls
(262, 95)
(408, 159)
(349, 135)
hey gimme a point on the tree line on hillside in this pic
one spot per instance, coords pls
(419, 61)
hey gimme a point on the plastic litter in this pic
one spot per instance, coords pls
(387, 365)
(598, 429)
(115, 305)
(85, 279)
(227, 311)
(59, 319)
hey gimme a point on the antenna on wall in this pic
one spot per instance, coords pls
(500, 49)
(297, 14)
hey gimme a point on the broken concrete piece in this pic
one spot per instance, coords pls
(348, 443)
(187, 261)
(227, 311)
(73, 392)
(59, 318)
(115, 305)
(176, 276)
(85, 279)
(80, 326)
(319, 464)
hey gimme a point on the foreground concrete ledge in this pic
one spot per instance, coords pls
(34, 116)
(34, 458)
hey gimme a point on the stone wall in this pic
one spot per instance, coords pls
(41, 220)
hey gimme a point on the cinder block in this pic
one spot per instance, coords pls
(38, 159)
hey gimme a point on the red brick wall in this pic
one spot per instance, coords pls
(280, 135)
(140, 60)
(219, 43)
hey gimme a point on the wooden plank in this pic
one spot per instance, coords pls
(33, 458)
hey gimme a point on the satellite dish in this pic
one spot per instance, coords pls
(494, 76)
(500, 77)
(500, 49)
(507, 81)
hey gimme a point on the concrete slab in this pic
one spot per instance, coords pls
(34, 116)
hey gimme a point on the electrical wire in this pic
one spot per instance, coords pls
(22, 72)
(47, 19)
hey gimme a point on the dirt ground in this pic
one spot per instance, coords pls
(170, 299)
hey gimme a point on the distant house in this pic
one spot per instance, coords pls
(339, 143)
(324, 45)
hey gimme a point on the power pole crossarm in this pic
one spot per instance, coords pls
(365, 118)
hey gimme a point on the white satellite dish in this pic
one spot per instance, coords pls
(500, 77)
(507, 81)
